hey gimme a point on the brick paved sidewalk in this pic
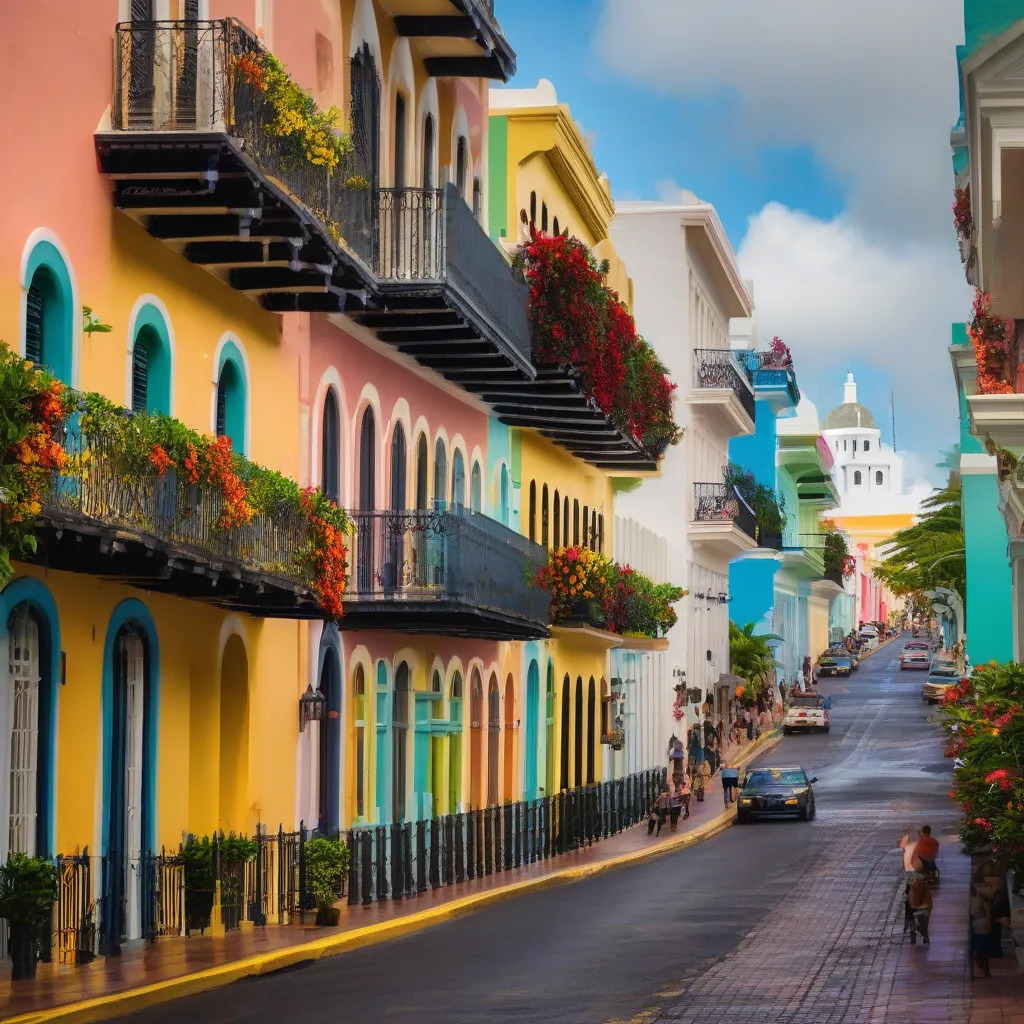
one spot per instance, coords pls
(171, 957)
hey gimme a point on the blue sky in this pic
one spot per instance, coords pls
(831, 176)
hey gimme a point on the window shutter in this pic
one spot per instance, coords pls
(34, 325)
(140, 378)
(222, 409)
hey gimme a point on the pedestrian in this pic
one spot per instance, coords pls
(730, 780)
(981, 927)
(919, 900)
(806, 672)
(684, 797)
(748, 721)
(674, 807)
(656, 815)
(696, 749)
(782, 690)
(701, 779)
(676, 759)
(711, 750)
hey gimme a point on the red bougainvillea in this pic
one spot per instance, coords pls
(962, 219)
(582, 324)
(990, 337)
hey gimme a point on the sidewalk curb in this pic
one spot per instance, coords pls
(882, 645)
(133, 1000)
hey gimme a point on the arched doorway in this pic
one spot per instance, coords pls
(329, 760)
(530, 751)
(591, 726)
(476, 723)
(400, 743)
(234, 736)
(549, 731)
(510, 740)
(455, 746)
(577, 779)
(330, 454)
(566, 711)
(367, 500)
(130, 778)
(493, 739)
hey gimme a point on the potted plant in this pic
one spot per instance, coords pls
(28, 890)
(326, 863)
(197, 856)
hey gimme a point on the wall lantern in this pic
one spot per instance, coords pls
(312, 707)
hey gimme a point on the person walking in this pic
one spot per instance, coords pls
(676, 759)
(656, 815)
(981, 927)
(782, 690)
(675, 806)
(919, 900)
(696, 749)
(684, 797)
(730, 781)
(711, 750)
(748, 720)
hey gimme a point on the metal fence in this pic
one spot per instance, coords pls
(717, 368)
(456, 555)
(715, 502)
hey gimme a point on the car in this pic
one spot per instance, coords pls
(835, 661)
(943, 674)
(916, 654)
(806, 711)
(868, 638)
(773, 792)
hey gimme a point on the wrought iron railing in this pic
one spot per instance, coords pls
(185, 76)
(455, 556)
(763, 372)
(715, 502)
(95, 487)
(431, 236)
(716, 368)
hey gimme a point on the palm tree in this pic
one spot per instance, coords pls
(751, 655)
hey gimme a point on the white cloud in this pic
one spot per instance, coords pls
(869, 85)
(836, 296)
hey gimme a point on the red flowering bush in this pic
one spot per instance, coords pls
(582, 324)
(991, 341)
(963, 220)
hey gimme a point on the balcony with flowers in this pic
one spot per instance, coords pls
(737, 515)
(86, 486)
(612, 604)
(722, 387)
(997, 407)
(772, 375)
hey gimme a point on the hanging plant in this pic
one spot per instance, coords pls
(991, 341)
(582, 324)
(963, 220)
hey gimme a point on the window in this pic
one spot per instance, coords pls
(503, 494)
(600, 533)
(330, 467)
(565, 523)
(428, 152)
(586, 526)
(543, 216)
(555, 229)
(151, 363)
(437, 703)
(867, 446)
(476, 489)
(478, 198)
(533, 510)
(856, 478)
(457, 686)
(367, 463)
(140, 376)
(575, 522)
(461, 165)
(421, 473)
(49, 316)
(878, 477)
(231, 404)
(544, 515)
(595, 544)
(837, 446)
(399, 742)
(855, 444)
(557, 539)
(458, 480)
(440, 474)
(359, 699)
(845, 448)
(398, 467)
(399, 179)
(533, 208)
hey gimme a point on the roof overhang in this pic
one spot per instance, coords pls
(705, 233)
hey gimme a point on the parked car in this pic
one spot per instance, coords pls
(835, 662)
(942, 675)
(806, 711)
(916, 654)
(869, 637)
(770, 792)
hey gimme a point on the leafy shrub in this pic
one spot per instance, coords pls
(28, 889)
(327, 860)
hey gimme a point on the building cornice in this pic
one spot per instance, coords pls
(705, 218)
(965, 366)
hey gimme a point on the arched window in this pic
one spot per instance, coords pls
(845, 449)
(503, 494)
(359, 717)
(564, 731)
(330, 468)
(586, 526)
(591, 729)
(867, 446)
(600, 533)
(478, 198)
(398, 467)
(461, 165)
(458, 480)
(421, 473)
(49, 313)
(565, 522)
(878, 477)
(399, 742)
(533, 208)
(856, 477)
(457, 686)
(437, 695)
(543, 216)
(399, 178)
(555, 229)
(544, 515)
(595, 542)
(440, 474)
(556, 540)
(855, 444)
(367, 463)
(476, 489)
(493, 739)
(533, 510)
(476, 718)
(231, 403)
(575, 521)
(428, 151)
(151, 363)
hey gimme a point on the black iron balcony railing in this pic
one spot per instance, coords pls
(717, 502)
(448, 572)
(430, 236)
(770, 540)
(716, 368)
(164, 534)
(764, 374)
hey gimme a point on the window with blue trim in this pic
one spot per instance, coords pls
(47, 324)
(331, 453)
(231, 404)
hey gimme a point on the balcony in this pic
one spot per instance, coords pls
(161, 533)
(1000, 417)
(723, 391)
(459, 38)
(772, 382)
(722, 521)
(446, 573)
(804, 555)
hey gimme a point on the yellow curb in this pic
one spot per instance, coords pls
(133, 1000)
(875, 650)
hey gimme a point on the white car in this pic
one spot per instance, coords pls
(869, 637)
(805, 712)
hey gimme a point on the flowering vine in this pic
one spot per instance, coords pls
(990, 337)
(581, 323)
(963, 220)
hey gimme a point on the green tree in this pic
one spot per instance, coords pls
(751, 656)
(930, 553)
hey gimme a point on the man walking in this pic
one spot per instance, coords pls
(730, 780)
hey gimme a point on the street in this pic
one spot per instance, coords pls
(774, 921)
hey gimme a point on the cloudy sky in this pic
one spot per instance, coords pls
(820, 131)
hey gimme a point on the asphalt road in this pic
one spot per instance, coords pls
(772, 921)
